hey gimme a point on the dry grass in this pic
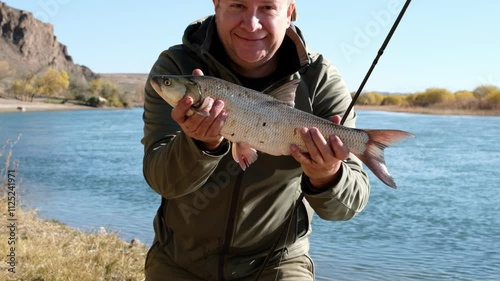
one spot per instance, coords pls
(50, 250)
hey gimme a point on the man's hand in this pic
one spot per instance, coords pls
(205, 129)
(323, 160)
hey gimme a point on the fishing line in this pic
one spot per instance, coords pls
(284, 232)
(375, 61)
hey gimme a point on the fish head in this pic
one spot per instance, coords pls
(173, 88)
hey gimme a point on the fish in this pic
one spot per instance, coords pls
(268, 122)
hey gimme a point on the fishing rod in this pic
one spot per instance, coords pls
(285, 230)
(375, 61)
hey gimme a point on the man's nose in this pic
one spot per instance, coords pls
(251, 21)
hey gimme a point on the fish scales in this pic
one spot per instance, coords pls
(269, 123)
(270, 126)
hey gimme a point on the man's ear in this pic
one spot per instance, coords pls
(292, 12)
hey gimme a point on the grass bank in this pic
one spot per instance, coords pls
(35, 249)
(50, 250)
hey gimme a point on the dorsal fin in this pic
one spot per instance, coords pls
(285, 92)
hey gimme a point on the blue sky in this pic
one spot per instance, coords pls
(453, 44)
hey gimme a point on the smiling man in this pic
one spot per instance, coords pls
(215, 221)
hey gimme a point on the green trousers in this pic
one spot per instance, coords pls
(160, 267)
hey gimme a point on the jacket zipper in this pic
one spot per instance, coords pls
(228, 238)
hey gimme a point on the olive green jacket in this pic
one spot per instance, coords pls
(216, 220)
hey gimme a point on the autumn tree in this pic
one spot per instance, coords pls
(370, 98)
(23, 89)
(433, 96)
(484, 90)
(493, 99)
(393, 100)
(52, 82)
(108, 90)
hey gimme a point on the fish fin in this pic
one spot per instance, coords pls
(373, 156)
(284, 93)
(243, 154)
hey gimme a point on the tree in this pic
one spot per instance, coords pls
(52, 82)
(493, 99)
(484, 90)
(23, 89)
(108, 90)
(370, 98)
(393, 100)
(433, 96)
(465, 99)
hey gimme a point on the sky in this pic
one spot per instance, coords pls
(452, 44)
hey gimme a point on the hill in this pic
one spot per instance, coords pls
(29, 46)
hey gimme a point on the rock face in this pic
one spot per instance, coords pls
(30, 46)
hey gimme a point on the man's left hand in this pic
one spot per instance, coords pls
(323, 159)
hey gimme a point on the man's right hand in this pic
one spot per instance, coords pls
(205, 129)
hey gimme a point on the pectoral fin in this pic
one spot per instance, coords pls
(244, 154)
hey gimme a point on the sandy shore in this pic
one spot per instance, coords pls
(13, 105)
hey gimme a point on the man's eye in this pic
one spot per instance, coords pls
(237, 6)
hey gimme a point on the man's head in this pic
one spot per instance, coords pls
(252, 30)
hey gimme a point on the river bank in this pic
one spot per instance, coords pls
(50, 250)
(13, 105)
(428, 110)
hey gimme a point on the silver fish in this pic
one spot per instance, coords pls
(268, 122)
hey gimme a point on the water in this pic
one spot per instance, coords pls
(84, 168)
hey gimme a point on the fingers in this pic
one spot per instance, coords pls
(339, 149)
(198, 72)
(336, 119)
(180, 112)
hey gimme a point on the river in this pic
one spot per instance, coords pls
(84, 168)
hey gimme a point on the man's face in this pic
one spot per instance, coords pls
(252, 30)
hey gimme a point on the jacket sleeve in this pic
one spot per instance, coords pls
(330, 96)
(167, 150)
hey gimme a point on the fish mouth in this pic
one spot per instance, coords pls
(156, 84)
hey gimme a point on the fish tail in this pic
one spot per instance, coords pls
(373, 156)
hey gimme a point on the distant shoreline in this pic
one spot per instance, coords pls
(427, 110)
(13, 105)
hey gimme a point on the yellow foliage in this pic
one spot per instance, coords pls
(433, 96)
(52, 82)
(484, 90)
(393, 100)
(464, 95)
(23, 89)
(370, 98)
(493, 99)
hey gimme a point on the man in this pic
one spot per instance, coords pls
(217, 222)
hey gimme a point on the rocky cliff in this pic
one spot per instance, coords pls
(28, 45)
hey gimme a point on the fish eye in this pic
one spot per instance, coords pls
(167, 82)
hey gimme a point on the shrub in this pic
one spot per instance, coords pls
(370, 98)
(433, 96)
(493, 99)
(484, 90)
(393, 100)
